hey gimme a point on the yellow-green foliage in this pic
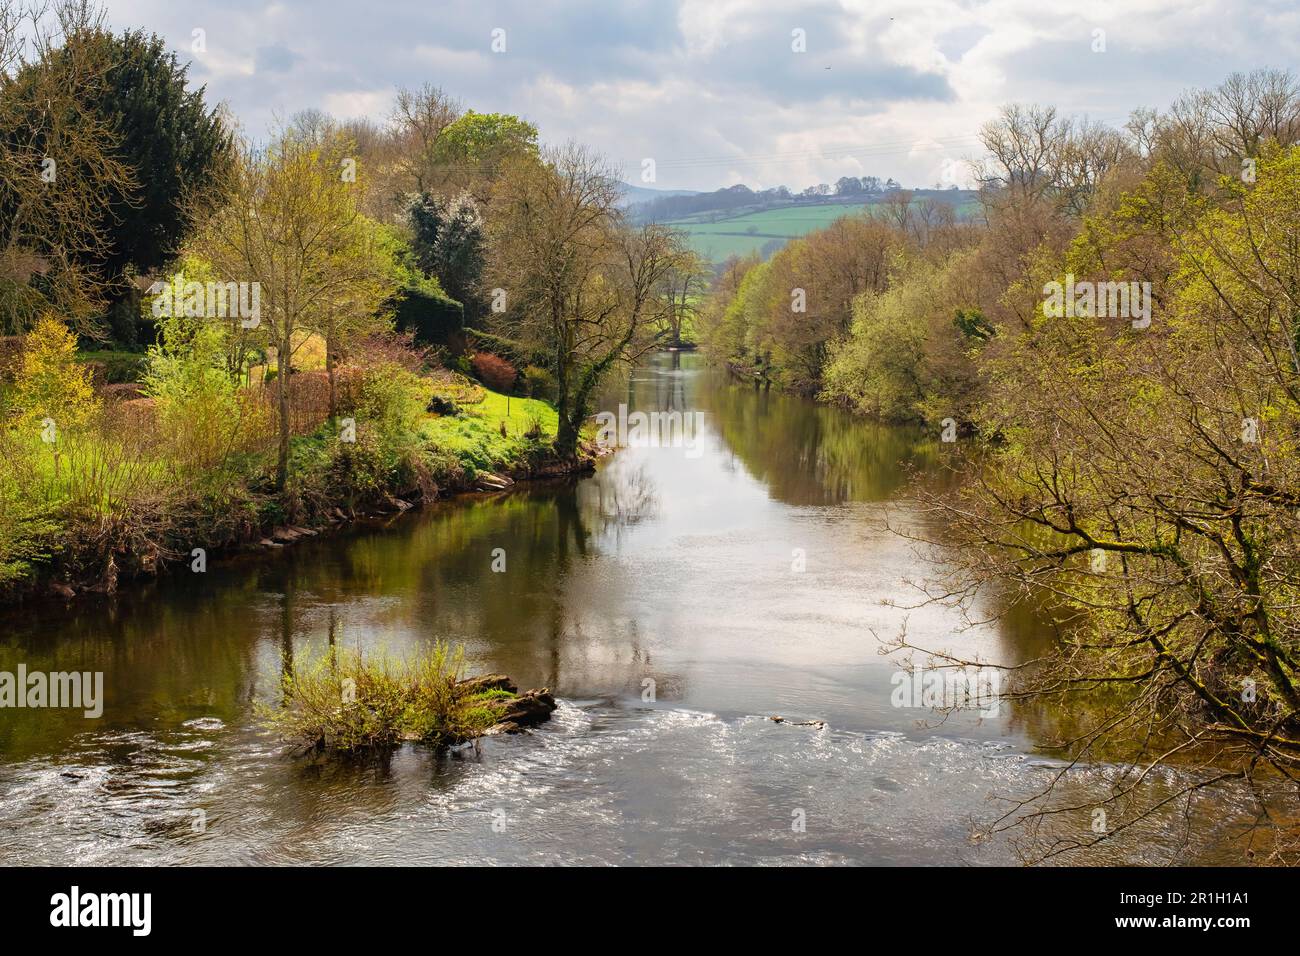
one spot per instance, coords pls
(346, 700)
(910, 353)
(51, 383)
(475, 436)
(202, 416)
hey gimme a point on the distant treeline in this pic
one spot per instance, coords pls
(850, 188)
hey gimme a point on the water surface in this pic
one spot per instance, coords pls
(745, 577)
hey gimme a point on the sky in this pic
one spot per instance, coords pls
(719, 92)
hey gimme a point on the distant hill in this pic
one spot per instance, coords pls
(764, 222)
(633, 195)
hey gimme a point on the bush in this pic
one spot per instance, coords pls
(348, 702)
(429, 316)
(27, 533)
(392, 403)
(51, 383)
(201, 413)
(494, 372)
(539, 383)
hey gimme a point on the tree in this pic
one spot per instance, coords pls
(473, 149)
(1208, 133)
(294, 226)
(1147, 484)
(240, 344)
(52, 384)
(418, 121)
(448, 242)
(58, 167)
(178, 150)
(579, 283)
(359, 308)
(681, 289)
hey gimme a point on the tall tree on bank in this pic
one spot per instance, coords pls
(179, 149)
(682, 289)
(448, 241)
(472, 152)
(294, 226)
(59, 167)
(578, 283)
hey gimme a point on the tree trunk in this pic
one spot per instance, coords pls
(282, 393)
(329, 373)
(566, 439)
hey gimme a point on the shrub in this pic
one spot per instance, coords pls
(392, 403)
(493, 371)
(27, 533)
(539, 383)
(51, 383)
(202, 415)
(349, 702)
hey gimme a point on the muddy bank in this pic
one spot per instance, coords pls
(192, 544)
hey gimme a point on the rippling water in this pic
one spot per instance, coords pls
(744, 578)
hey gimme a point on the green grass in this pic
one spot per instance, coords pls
(474, 436)
(118, 366)
(748, 232)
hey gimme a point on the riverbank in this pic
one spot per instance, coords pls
(463, 439)
(657, 601)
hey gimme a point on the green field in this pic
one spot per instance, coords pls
(749, 232)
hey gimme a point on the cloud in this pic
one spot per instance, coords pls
(712, 89)
(273, 59)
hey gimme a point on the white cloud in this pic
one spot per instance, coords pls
(711, 88)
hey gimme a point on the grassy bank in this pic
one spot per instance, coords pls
(129, 488)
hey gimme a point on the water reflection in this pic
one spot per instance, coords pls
(742, 582)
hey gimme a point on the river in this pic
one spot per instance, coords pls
(674, 601)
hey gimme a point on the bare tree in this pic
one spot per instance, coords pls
(418, 119)
(579, 283)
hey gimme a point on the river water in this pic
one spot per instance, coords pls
(739, 578)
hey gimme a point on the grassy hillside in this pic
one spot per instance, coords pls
(717, 235)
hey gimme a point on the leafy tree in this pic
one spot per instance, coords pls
(477, 145)
(241, 345)
(178, 148)
(295, 227)
(1148, 481)
(449, 245)
(171, 151)
(59, 167)
(681, 290)
(51, 382)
